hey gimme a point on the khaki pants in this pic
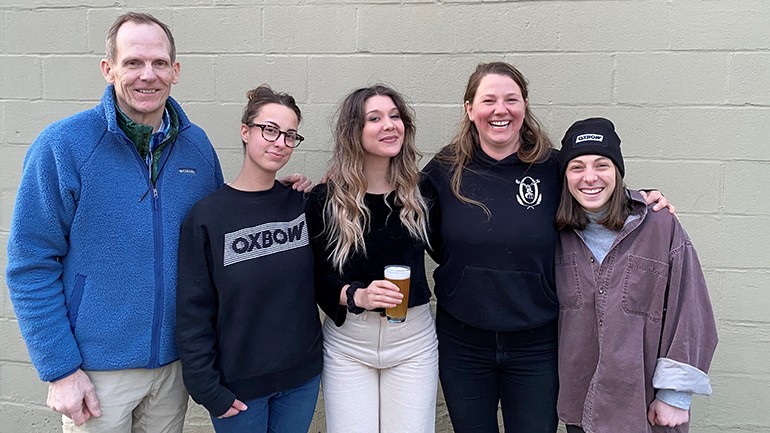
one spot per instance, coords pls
(137, 401)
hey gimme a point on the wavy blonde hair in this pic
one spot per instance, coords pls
(535, 144)
(346, 216)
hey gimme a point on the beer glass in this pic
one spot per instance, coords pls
(400, 276)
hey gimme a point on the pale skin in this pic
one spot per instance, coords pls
(143, 72)
(665, 415)
(382, 138)
(74, 397)
(260, 164)
(595, 172)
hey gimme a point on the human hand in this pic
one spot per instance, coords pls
(74, 397)
(298, 181)
(378, 294)
(665, 415)
(661, 202)
(237, 407)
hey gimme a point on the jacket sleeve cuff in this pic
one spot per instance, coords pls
(678, 376)
(65, 374)
(677, 399)
(221, 402)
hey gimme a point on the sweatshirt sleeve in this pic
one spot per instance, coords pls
(196, 317)
(430, 194)
(689, 335)
(46, 203)
(328, 283)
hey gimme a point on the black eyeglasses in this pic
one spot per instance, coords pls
(271, 133)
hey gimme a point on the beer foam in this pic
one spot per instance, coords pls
(397, 272)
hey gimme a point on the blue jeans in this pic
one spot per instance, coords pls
(289, 411)
(481, 369)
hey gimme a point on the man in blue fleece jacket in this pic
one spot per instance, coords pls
(92, 251)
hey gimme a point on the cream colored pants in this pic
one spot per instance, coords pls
(137, 401)
(380, 376)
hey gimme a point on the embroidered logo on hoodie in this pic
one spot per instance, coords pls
(529, 194)
(265, 239)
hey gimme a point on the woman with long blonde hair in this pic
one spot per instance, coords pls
(378, 376)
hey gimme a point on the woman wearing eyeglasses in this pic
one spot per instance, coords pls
(247, 324)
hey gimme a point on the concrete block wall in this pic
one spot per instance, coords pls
(687, 83)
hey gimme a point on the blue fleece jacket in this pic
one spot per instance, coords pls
(92, 251)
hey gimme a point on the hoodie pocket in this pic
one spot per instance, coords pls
(644, 287)
(77, 297)
(567, 282)
(518, 298)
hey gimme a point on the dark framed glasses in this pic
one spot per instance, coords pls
(271, 133)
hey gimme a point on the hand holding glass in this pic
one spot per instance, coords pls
(400, 276)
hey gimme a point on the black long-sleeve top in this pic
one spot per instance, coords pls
(495, 272)
(387, 243)
(247, 323)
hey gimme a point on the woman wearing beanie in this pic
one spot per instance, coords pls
(636, 329)
(493, 194)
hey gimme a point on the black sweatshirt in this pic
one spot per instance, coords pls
(247, 323)
(496, 272)
(387, 243)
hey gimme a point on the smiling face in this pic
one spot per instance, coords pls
(141, 71)
(497, 110)
(264, 157)
(383, 133)
(591, 180)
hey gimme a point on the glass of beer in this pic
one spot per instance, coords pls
(398, 275)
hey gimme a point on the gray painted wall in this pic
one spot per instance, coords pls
(687, 83)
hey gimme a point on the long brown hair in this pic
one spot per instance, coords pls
(346, 216)
(535, 144)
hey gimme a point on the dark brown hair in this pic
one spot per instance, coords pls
(264, 95)
(572, 215)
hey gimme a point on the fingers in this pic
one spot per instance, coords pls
(379, 294)
(230, 412)
(300, 182)
(92, 403)
(79, 415)
(651, 415)
(241, 406)
(236, 408)
(662, 204)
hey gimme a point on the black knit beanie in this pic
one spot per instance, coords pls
(595, 136)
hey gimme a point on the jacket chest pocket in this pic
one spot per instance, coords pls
(644, 287)
(568, 282)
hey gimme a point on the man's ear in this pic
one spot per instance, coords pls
(177, 68)
(106, 67)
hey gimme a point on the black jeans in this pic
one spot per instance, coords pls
(574, 429)
(480, 369)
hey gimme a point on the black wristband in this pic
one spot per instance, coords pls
(349, 292)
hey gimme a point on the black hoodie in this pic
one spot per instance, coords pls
(496, 272)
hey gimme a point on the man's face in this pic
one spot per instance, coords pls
(141, 71)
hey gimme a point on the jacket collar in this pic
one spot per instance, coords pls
(107, 108)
